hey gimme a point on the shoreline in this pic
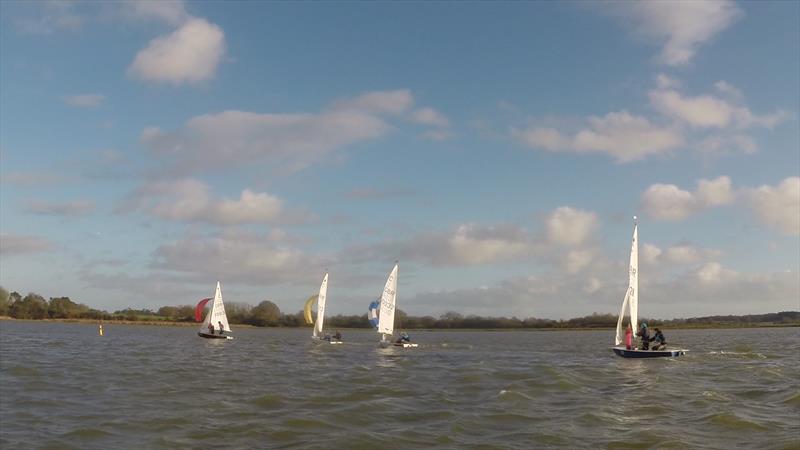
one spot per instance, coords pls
(169, 323)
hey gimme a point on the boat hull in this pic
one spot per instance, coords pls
(317, 340)
(213, 336)
(625, 353)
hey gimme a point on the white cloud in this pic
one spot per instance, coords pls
(172, 12)
(669, 202)
(708, 111)
(576, 260)
(238, 255)
(72, 208)
(569, 226)
(650, 253)
(189, 200)
(429, 116)
(189, 54)
(436, 135)
(55, 16)
(378, 102)
(286, 141)
(84, 100)
(681, 27)
(703, 111)
(620, 134)
(664, 81)
(480, 245)
(728, 89)
(778, 206)
(16, 244)
(713, 272)
(715, 192)
(722, 144)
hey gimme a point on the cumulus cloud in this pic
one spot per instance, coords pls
(680, 27)
(84, 100)
(189, 200)
(778, 206)
(71, 208)
(190, 54)
(708, 111)
(669, 202)
(286, 141)
(622, 135)
(17, 244)
(569, 226)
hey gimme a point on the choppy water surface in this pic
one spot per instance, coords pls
(62, 386)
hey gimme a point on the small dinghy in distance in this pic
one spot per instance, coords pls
(211, 328)
(385, 312)
(321, 298)
(631, 301)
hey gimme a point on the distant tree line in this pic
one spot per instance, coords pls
(267, 314)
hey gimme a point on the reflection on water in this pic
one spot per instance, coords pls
(62, 386)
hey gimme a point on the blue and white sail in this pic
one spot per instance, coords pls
(388, 300)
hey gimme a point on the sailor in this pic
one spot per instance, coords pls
(628, 338)
(221, 327)
(403, 338)
(210, 328)
(659, 341)
(645, 335)
(337, 336)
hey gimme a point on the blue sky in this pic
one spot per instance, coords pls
(498, 150)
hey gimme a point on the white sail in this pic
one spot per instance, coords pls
(323, 291)
(632, 294)
(386, 316)
(216, 315)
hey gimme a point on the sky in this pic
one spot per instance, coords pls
(497, 150)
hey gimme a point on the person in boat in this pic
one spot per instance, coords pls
(628, 338)
(659, 342)
(644, 333)
(327, 337)
(337, 336)
(210, 328)
(403, 338)
(221, 328)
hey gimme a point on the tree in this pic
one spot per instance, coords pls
(33, 306)
(3, 301)
(265, 314)
(64, 308)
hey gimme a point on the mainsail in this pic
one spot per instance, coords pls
(323, 291)
(386, 316)
(216, 315)
(632, 294)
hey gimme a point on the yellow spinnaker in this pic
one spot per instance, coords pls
(307, 309)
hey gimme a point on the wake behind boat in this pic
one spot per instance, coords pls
(216, 321)
(631, 301)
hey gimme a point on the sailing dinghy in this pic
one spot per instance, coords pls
(216, 321)
(631, 301)
(385, 314)
(320, 299)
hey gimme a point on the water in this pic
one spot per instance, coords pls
(62, 386)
